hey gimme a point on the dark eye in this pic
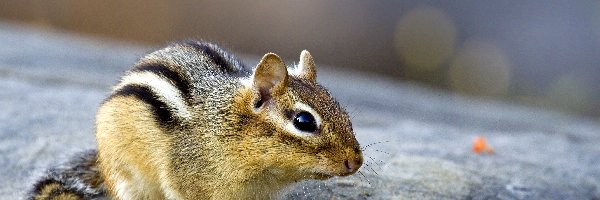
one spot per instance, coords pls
(304, 121)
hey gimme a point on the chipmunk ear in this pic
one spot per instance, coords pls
(270, 78)
(306, 68)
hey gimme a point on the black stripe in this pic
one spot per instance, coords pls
(143, 93)
(217, 55)
(39, 186)
(181, 83)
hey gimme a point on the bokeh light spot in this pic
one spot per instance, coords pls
(480, 68)
(425, 38)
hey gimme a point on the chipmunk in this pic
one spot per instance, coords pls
(191, 122)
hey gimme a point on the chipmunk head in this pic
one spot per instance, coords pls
(306, 132)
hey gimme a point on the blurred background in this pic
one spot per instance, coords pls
(536, 52)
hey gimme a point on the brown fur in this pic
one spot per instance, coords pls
(236, 143)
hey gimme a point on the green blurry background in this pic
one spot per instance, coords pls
(542, 53)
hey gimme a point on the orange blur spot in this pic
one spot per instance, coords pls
(481, 146)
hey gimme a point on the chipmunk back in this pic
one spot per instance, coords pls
(191, 122)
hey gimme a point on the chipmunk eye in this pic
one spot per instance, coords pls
(304, 121)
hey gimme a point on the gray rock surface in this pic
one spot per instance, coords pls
(51, 84)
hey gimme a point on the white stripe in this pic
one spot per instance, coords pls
(161, 87)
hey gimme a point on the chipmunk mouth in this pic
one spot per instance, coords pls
(343, 168)
(320, 175)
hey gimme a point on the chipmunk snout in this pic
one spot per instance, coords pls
(352, 166)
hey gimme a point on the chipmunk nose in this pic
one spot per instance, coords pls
(352, 165)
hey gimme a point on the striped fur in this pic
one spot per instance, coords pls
(152, 87)
(166, 91)
(221, 58)
(145, 94)
(182, 84)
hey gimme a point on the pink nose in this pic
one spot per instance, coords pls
(352, 166)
